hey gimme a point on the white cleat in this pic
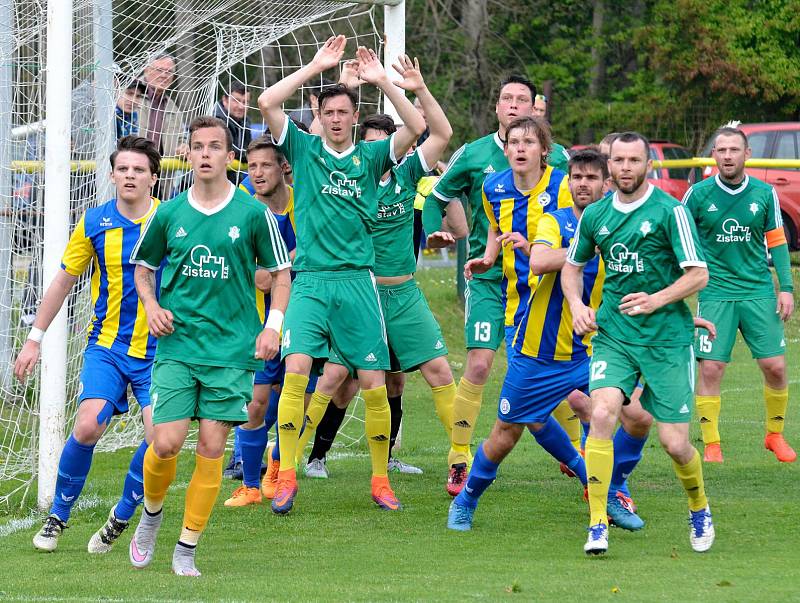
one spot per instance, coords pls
(701, 530)
(316, 468)
(597, 542)
(143, 543)
(46, 538)
(398, 466)
(102, 541)
(183, 561)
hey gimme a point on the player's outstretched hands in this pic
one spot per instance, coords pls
(159, 320)
(785, 305)
(583, 320)
(409, 70)
(476, 266)
(370, 69)
(330, 53)
(515, 240)
(702, 323)
(440, 239)
(27, 359)
(349, 74)
(634, 304)
(267, 344)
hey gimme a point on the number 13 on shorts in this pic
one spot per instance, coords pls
(598, 370)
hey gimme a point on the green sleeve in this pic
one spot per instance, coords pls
(412, 169)
(683, 238)
(688, 202)
(582, 248)
(774, 217)
(783, 267)
(558, 158)
(293, 142)
(453, 185)
(432, 213)
(381, 156)
(271, 250)
(151, 248)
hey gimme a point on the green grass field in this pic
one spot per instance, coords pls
(526, 543)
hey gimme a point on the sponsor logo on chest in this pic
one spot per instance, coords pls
(205, 265)
(390, 211)
(733, 232)
(622, 260)
(341, 186)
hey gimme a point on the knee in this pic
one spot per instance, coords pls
(603, 416)
(210, 450)
(711, 371)
(676, 447)
(478, 369)
(637, 424)
(774, 373)
(165, 448)
(437, 372)
(87, 430)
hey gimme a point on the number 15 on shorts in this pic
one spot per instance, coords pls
(598, 370)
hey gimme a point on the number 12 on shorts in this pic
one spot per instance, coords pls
(598, 370)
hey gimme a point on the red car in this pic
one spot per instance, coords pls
(779, 140)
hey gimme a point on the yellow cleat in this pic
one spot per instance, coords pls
(270, 481)
(244, 496)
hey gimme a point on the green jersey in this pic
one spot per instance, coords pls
(464, 176)
(558, 158)
(732, 224)
(209, 277)
(335, 199)
(644, 246)
(393, 236)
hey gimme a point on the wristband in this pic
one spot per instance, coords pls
(274, 321)
(36, 335)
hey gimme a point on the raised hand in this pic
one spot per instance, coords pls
(409, 70)
(349, 75)
(370, 69)
(440, 239)
(330, 53)
(476, 266)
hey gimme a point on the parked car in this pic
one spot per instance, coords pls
(779, 140)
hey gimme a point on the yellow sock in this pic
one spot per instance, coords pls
(314, 413)
(201, 494)
(691, 476)
(377, 417)
(444, 397)
(708, 408)
(599, 464)
(776, 401)
(290, 417)
(466, 407)
(567, 418)
(158, 475)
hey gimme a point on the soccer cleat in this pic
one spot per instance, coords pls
(398, 466)
(566, 470)
(233, 470)
(243, 497)
(285, 491)
(46, 538)
(622, 514)
(780, 447)
(383, 495)
(316, 468)
(270, 480)
(143, 543)
(103, 539)
(183, 561)
(701, 530)
(456, 478)
(597, 542)
(712, 453)
(459, 517)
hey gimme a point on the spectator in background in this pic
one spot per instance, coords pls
(232, 110)
(305, 115)
(129, 103)
(558, 156)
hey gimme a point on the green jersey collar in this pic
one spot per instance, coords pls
(627, 208)
(732, 191)
(213, 210)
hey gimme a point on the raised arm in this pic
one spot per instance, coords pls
(372, 72)
(159, 320)
(270, 103)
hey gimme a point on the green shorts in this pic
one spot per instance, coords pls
(192, 391)
(760, 325)
(336, 311)
(413, 333)
(667, 373)
(484, 314)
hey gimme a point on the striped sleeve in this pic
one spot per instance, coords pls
(270, 247)
(774, 216)
(684, 240)
(79, 252)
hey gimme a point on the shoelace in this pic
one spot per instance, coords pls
(112, 530)
(459, 474)
(462, 514)
(625, 502)
(52, 527)
(698, 522)
(595, 532)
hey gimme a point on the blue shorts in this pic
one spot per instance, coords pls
(274, 371)
(106, 375)
(509, 335)
(534, 387)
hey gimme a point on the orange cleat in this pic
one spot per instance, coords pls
(285, 492)
(244, 496)
(383, 495)
(270, 481)
(456, 478)
(566, 470)
(713, 453)
(783, 452)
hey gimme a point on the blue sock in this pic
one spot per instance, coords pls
(627, 454)
(584, 434)
(237, 445)
(555, 440)
(481, 476)
(133, 489)
(73, 467)
(271, 417)
(254, 443)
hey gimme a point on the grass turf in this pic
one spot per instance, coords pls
(527, 537)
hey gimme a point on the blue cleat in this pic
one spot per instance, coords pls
(701, 532)
(459, 517)
(597, 543)
(622, 514)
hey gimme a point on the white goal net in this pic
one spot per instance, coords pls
(188, 55)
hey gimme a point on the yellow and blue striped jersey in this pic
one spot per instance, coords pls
(105, 239)
(546, 328)
(286, 228)
(512, 210)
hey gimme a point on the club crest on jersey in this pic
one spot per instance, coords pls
(646, 228)
(544, 199)
(356, 160)
(754, 208)
(233, 233)
(622, 260)
(733, 232)
(341, 185)
(205, 264)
